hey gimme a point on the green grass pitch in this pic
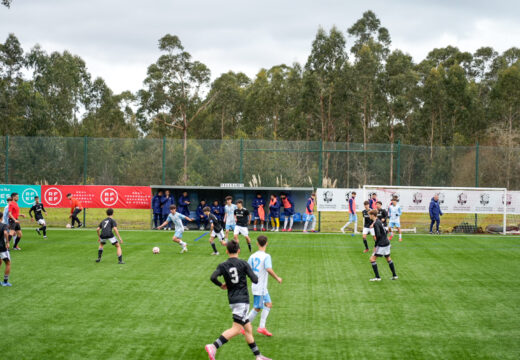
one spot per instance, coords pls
(457, 297)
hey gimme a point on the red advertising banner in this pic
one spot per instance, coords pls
(98, 196)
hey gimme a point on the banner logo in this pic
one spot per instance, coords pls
(508, 199)
(328, 196)
(484, 199)
(28, 195)
(462, 199)
(417, 198)
(109, 197)
(52, 196)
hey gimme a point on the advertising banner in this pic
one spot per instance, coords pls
(97, 196)
(26, 194)
(337, 199)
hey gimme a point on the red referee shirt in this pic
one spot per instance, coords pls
(14, 209)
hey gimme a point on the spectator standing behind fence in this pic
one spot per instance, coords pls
(218, 211)
(156, 208)
(166, 201)
(435, 213)
(184, 207)
(75, 209)
(201, 218)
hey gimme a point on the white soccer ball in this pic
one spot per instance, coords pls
(156, 250)
(68, 226)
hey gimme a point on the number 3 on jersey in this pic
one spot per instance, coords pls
(234, 275)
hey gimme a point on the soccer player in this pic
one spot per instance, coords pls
(4, 251)
(156, 207)
(288, 211)
(381, 248)
(394, 213)
(5, 219)
(184, 207)
(352, 213)
(309, 210)
(372, 202)
(14, 224)
(262, 266)
(105, 231)
(274, 213)
(229, 215)
(201, 218)
(38, 209)
(367, 225)
(258, 211)
(215, 228)
(382, 214)
(235, 273)
(75, 209)
(218, 211)
(166, 201)
(242, 220)
(177, 219)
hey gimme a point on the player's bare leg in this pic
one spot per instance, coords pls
(227, 335)
(119, 253)
(181, 243)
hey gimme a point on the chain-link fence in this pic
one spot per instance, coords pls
(54, 160)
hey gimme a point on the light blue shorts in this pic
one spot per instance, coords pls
(230, 227)
(352, 217)
(259, 301)
(311, 218)
(178, 233)
(394, 224)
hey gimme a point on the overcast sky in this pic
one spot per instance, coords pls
(118, 38)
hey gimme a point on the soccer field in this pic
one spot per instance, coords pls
(457, 297)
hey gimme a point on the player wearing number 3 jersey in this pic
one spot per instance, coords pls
(235, 273)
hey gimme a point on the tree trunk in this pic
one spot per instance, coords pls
(391, 149)
(222, 125)
(432, 116)
(185, 149)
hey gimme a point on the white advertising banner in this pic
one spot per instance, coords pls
(418, 200)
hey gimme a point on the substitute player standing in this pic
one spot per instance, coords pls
(14, 224)
(309, 211)
(367, 225)
(4, 251)
(242, 220)
(394, 213)
(105, 232)
(216, 229)
(235, 273)
(229, 215)
(258, 211)
(262, 266)
(38, 210)
(177, 219)
(381, 248)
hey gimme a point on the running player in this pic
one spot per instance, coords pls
(38, 209)
(309, 210)
(352, 213)
(229, 215)
(75, 209)
(394, 213)
(258, 211)
(367, 225)
(381, 248)
(4, 251)
(14, 224)
(262, 266)
(105, 231)
(242, 220)
(288, 211)
(177, 218)
(216, 229)
(235, 273)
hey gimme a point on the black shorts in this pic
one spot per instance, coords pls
(14, 225)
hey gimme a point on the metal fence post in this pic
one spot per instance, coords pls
(476, 176)
(241, 174)
(398, 170)
(320, 178)
(7, 159)
(85, 166)
(164, 160)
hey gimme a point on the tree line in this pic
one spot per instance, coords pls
(353, 88)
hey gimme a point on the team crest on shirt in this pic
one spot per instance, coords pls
(417, 198)
(328, 196)
(462, 198)
(484, 199)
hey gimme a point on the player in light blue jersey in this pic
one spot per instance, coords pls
(394, 214)
(176, 218)
(229, 215)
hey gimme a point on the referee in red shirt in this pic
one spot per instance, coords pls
(14, 224)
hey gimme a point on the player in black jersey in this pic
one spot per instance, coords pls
(38, 210)
(235, 273)
(382, 214)
(215, 228)
(4, 251)
(381, 248)
(242, 219)
(367, 225)
(105, 232)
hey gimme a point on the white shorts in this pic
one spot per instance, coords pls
(41, 222)
(241, 230)
(240, 311)
(382, 251)
(112, 240)
(5, 255)
(369, 231)
(220, 235)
